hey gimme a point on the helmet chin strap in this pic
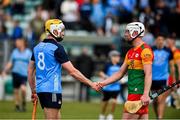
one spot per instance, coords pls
(59, 39)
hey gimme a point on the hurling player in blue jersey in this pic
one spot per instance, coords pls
(110, 91)
(18, 63)
(163, 60)
(47, 60)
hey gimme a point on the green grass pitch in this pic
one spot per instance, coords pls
(73, 110)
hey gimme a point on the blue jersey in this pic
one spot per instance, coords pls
(160, 66)
(48, 56)
(20, 61)
(109, 70)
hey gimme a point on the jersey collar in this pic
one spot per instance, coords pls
(49, 41)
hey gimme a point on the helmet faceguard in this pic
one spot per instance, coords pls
(54, 27)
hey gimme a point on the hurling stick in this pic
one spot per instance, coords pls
(34, 110)
(134, 106)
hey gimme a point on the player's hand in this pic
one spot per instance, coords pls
(100, 84)
(96, 86)
(145, 99)
(4, 74)
(34, 97)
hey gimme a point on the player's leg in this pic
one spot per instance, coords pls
(161, 100)
(51, 103)
(114, 102)
(51, 113)
(16, 86)
(127, 116)
(113, 95)
(16, 99)
(104, 105)
(162, 104)
(144, 117)
(23, 91)
(155, 107)
(155, 86)
(23, 82)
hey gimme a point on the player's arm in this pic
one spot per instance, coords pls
(7, 67)
(172, 70)
(148, 78)
(31, 76)
(68, 66)
(147, 59)
(178, 67)
(103, 75)
(9, 64)
(172, 67)
(116, 76)
(102, 72)
(63, 59)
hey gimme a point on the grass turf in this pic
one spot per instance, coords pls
(73, 110)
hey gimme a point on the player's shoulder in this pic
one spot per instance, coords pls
(147, 51)
(15, 51)
(108, 64)
(167, 49)
(145, 46)
(176, 51)
(28, 50)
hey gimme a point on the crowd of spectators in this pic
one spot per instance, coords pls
(97, 16)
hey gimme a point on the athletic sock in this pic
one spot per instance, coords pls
(24, 105)
(17, 108)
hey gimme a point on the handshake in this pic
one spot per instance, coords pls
(97, 86)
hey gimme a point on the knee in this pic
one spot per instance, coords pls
(23, 88)
(114, 101)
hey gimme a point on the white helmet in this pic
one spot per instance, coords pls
(136, 26)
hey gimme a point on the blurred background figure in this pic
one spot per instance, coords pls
(171, 44)
(163, 60)
(30, 36)
(110, 92)
(3, 33)
(86, 10)
(18, 63)
(85, 64)
(18, 7)
(70, 14)
(17, 31)
(37, 22)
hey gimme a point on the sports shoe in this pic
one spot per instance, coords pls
(109, 117)
(101, 117)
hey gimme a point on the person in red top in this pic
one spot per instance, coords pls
(138, 64)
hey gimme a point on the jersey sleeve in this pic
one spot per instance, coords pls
(106, 68)
(147, 56)
(170, 55)
(126, 58)
(32, 57)
(61, 55)
(11, 57)
(177, 56)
